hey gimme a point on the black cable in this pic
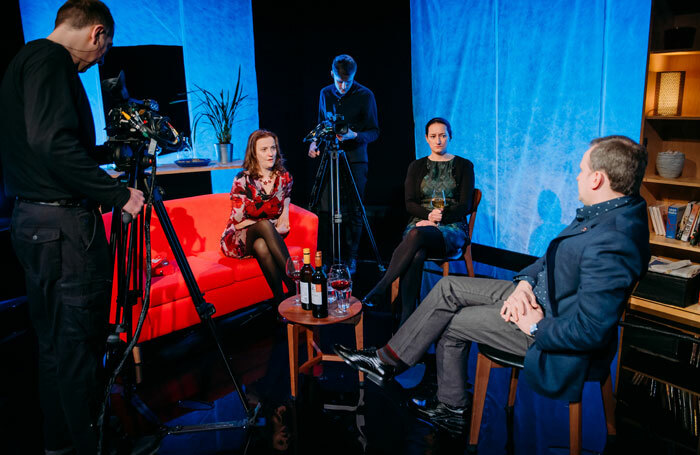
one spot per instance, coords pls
(142, 316)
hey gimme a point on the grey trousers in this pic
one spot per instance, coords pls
(457, 311)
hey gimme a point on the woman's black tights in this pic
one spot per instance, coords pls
(407, 263)
(266, 245)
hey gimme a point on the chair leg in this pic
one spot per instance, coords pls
(609, 403)
(468, 260)
(575, 428)
(394, 291)
(445, 268)
(360, 341)
(510, 411)
(481, 383)
(293, 346)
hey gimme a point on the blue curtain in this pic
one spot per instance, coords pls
(526, 86)
(216, 37)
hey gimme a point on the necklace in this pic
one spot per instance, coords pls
(266, 181)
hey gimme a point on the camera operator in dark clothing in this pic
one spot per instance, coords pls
(356, 104)
(48, 159)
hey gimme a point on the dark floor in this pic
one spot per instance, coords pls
(184, 383)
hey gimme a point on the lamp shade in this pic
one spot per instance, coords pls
(669, 92)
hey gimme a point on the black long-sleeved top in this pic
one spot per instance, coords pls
(47, 134)
(463, 175)
(360, 112)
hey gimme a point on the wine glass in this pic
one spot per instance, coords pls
(437, 201)
(294, 265)
(341, 281)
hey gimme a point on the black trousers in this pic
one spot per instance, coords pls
(66, 259)
(352, 214)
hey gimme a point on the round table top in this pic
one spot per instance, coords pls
(296, 314)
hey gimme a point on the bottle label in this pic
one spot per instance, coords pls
(304, 288)
(316, 294)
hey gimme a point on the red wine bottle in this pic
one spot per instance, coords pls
(319, 290)
(306, 273)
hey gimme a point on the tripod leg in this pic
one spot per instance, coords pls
(319, 180)
(204, 309)
(336, 213)
(358, 201)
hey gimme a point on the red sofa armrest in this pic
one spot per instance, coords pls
(303, 228)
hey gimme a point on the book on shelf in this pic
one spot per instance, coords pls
(673, 219)
(690, 224)
(652, 218)
(694, 235)
(680, 406)
(684, 219)
(656, 219)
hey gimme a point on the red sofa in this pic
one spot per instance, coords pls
(229, 284)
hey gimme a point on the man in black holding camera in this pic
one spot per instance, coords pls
(48, 160)
(356, 104)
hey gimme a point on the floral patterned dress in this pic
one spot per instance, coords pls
(439, 177)
(249, 201)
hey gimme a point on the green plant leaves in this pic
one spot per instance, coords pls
(218, 110)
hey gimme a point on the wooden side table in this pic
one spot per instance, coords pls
(301, 321)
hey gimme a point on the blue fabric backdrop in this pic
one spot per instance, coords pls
(526, 85)
(215, 37)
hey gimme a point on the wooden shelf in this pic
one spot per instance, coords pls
(676, 127)
(673, 243)
(689, 316)
(673, 117)
(673, 53)
(172, 168)
(681, 181)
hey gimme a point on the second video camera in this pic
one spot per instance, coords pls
(334, 125)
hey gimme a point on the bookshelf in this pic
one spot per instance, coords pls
(658, 381)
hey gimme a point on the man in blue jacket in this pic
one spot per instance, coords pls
(561, 312)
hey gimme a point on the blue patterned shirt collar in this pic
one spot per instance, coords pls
(588, 212)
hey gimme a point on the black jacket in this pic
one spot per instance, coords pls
(47, 134)
(464, 176)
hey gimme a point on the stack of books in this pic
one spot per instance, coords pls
(677, 221)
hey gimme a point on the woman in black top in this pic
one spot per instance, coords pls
(432, 231)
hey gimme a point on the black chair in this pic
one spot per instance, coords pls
(490, 357)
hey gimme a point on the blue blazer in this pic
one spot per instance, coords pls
(596, 265)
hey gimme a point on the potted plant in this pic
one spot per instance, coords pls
(219, 111)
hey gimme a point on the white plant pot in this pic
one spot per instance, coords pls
(224, 153)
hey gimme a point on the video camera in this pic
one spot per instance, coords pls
(134, 126)
(334, 124)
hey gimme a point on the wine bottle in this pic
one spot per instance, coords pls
(306, 273)
(319, 290)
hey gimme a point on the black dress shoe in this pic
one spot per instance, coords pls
(453, 420)
(367, 361)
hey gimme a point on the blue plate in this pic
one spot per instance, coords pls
(193, 162)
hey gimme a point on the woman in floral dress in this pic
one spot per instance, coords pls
(259, 218)
(431, 232)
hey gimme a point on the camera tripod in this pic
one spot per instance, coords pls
(128, 242)
(333, 158)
